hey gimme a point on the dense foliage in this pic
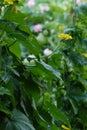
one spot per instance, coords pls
(43, 65)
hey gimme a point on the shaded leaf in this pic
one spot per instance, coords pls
(4, 91)
(18, 121)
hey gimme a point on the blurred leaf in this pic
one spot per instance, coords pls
(15, 72)
(4, 91)
(18, 121)
(32, 89)
(77, 59)
(78, 95)
(54, 127)
(84, 82)
(83, 116)
(83, 8)
(25, 28)
(33, 45)
(18, 17)
(5, 110)
(74, 105)
(35, 17)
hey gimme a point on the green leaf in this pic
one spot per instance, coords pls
(84, 83)
(7, 26)
(83, 8)
(15, 49)
(54, 127)
(33, 45)
(78, 95)
(14, 17)
(13, 30)
(74, 105)
(32, 90)
(25, 28)
(5, 110)
(15, 72)
(57, 114)
(44, 70)
(77, 58)
(22, 36)
(83, 116)
(51, 69)
(4, 91)
(18, 121)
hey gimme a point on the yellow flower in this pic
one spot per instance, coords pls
(61, 27)
(65, 128)
(10, 2)
(65, 36)
(84, 54)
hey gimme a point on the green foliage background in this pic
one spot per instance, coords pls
(40, 92)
